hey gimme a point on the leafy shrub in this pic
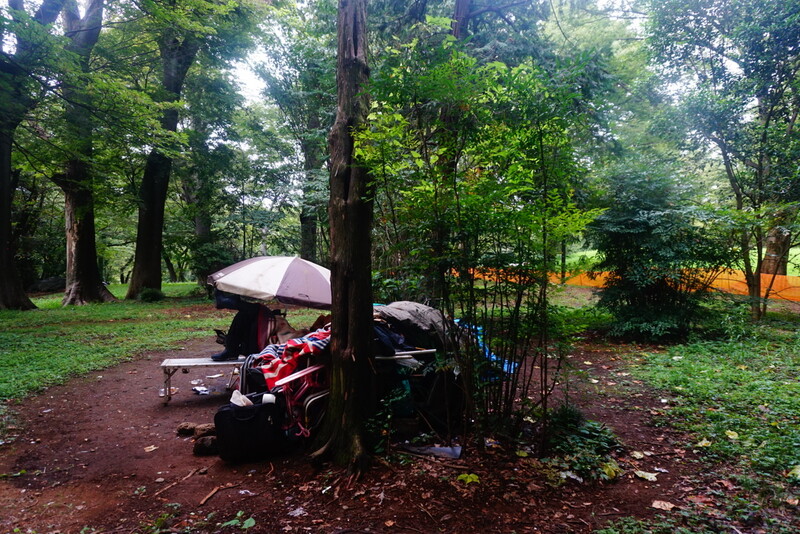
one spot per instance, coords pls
(208, 258)
(388, 288)
(725, 319)
(150, 294)
(661, 257)
(580, 448)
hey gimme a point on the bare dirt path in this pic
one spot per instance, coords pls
(101, 454)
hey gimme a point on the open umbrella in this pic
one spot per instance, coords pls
(289, 280)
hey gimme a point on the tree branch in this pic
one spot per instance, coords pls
(497, 9)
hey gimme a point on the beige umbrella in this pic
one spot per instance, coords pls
(290, 280)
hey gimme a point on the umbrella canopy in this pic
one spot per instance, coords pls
(289, 280)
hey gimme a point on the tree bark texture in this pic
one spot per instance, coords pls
(177, 55)
(460, 18)
(15, 102)
(350, 212)
(84, 283)
(776, 254)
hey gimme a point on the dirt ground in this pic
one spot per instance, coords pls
(101, 454)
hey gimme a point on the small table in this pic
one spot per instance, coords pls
(170, 366)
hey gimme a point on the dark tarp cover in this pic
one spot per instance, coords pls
(421, 325)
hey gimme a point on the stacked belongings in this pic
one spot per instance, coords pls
(434, 392)
(289, 384)
(277, 361)
(291, 380)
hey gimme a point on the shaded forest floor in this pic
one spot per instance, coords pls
(101, 454)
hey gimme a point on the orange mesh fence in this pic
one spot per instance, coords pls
(783, 287)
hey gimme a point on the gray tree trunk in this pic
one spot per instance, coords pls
(84, 283)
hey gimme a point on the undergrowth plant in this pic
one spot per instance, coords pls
(477, 199)
(660, 252)
(579, 448)
(739, 400)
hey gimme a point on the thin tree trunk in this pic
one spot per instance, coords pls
(173, 274)
(776, 256)
(308, 234)
(308, 213)
(351, 200)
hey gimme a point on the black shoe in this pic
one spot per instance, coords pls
(224, 355)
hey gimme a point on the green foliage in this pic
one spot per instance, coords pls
(581, 449)
(737, 63)
(629, 525)
(208, 258)
(724, 318)
(379, 426)
(468, 478)
(476, 170)
(238, 521)
(740, 399)
(661, 254)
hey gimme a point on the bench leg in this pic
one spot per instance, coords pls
(168, 372)
(234, 380)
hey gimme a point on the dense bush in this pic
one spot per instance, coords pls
(661, 253)
(151, 295)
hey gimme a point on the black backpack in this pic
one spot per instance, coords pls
(251, 433)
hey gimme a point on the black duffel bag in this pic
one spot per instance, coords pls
(250, 433)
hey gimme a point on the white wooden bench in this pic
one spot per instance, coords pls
(170, 366)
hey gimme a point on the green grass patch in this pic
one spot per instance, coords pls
(44, 347)
(740, 399)
(629, 525)
(47, 346)
(740, 402)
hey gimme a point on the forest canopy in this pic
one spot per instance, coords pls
(135, 148)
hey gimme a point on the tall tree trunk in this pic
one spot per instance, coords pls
(12, 294)
(149, 229)
(177, 55)
(84, 283)
(15, 102)
(173, 274)
(308, 234)
(350, 210)
(460, 18)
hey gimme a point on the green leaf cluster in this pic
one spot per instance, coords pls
(660, 251)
